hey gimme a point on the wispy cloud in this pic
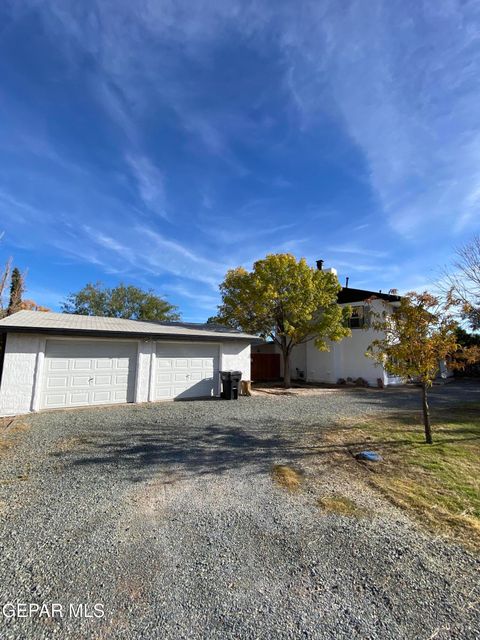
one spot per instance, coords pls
(10, 201)
(231, 129)
(163, 254)
(387, 73)
(230, 236)
(399, 77)
(150, 183)
(203, 301)
(144, 250)
(356, 250)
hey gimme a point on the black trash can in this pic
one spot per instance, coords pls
(230, 384)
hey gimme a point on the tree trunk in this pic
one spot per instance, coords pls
(426, 415)
(286, 370)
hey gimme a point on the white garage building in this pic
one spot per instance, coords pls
(57, 360)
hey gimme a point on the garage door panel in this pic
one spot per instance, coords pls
(186, 371)
(80, 364)
(179, 377)
(79, 381)
(199, 363)
(181, 363)
(187, 350)
(165, 393)
(78, 398)
(53, 383)
(56, 400)
(104, 364)
(200, 390)
(109, 372)
(101, 396)
(58, 365)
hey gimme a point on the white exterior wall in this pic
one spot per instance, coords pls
(346, 359)
(320, 365)
(297, 361)
(18, 377)
(23, 369)
(354, 363)
(235, 356)
(146, 353)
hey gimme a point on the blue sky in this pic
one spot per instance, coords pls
(160, 143)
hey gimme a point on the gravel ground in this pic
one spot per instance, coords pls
(167, 516)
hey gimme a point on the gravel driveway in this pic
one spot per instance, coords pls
(168, 517)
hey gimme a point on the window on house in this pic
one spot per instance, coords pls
(357, 319)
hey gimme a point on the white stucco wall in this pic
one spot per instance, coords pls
(265, 347)
(19, 364)
(346, 359)
(297, 361)
(236, 357)
(352, 361)
(320, 365)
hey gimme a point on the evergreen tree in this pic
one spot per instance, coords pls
(17, 287)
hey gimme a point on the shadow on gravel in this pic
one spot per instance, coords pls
(142, 447)
(146, 449)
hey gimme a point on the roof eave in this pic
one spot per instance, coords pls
(98, 333)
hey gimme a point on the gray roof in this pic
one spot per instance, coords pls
(48, 322)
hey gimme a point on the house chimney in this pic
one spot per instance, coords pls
(346, 282)
(330, 270)
(320, 264)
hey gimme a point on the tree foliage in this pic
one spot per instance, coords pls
(415, 338)
(4, 280)
(12, 282)
(286, 300)
(466, 339)
(17, 288)
(31, 305)
(122, 301)
(217, 320)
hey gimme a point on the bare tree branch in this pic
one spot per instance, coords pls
(4, 279)
(461, 287)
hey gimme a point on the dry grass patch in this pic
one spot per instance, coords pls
(340, 504)
(10, 429)
(439, 484)
(71, 444)
(287, 477)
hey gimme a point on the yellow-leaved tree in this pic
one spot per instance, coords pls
(415, 339)
(286, 300)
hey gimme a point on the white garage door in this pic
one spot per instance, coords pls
(186, 371)
(78, 373)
